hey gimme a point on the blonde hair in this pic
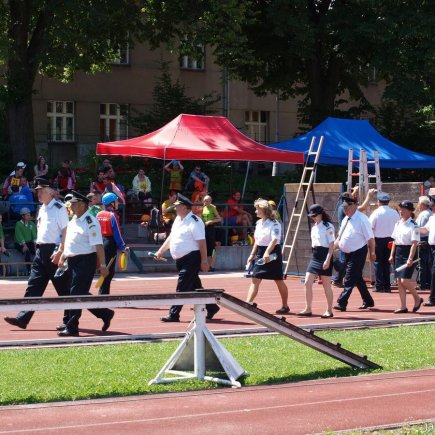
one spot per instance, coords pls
(264, 205)
(207, 197)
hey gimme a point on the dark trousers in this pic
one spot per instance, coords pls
(188, 278)
(353, 277)
(41, 272)
(340, 267)
(110, 250)
(82, 269)
(432, 284)
(382, 263)
(424, 266)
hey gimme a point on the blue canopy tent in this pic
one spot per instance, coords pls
(342, 134)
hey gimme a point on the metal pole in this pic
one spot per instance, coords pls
(246, 179)
(199, 344)
(275, 165)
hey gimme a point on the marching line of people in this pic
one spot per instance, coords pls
(91, 238)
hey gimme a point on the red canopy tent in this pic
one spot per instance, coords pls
(195, 137)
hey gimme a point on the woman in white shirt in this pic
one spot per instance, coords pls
(406, 235)
(322, 242)
(267, 237)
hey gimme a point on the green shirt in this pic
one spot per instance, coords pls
(25, 232)
(94, 210)
(2, 234)
(209, 213)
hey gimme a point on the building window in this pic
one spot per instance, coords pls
(191, 62)
(60, 121)
(257, 125)
(113, 122)
(123, 57)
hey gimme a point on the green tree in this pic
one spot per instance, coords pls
(56, 38)
(169, 100)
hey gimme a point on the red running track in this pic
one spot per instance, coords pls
(296, 408)
(146, 320)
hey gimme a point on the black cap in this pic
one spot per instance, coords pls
(181, 199)
(347, 199)
(314, 210)
(407, 204)
(75, 196)
(41, 182)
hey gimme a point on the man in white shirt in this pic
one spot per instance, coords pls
(430, 228)
(354, 236)
(51, 230)
(187, 245)
(83, 245)
(383, 220)
(423, 249)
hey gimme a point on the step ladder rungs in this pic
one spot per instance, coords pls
(287, 246)
(355, 174)
(305, 184)
(309, 168)
(297, 214)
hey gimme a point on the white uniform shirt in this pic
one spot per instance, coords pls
(383, 220)
(322, 234)
(52, 219)
(354, 232)
(267, 230)
(430, 226)
(185, 235)
(406, 232)
(422, 219)
(82, 235)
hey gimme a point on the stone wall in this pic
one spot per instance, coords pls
(327, 194)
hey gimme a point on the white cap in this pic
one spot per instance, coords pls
(20, 165)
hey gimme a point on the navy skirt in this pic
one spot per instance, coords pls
(271, 270)
(316, 264)
(400, 258)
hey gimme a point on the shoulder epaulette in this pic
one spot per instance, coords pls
(88, 219)
(195, 218)
(58, 204)
(413, 222)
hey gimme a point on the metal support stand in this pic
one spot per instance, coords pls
(197, 355)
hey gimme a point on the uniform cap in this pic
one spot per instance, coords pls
(75, 196)
(347, 199)
(314, 210)
(407, 204)
(108, 198)
(20, 165)
(24, 211)
(181, 199)
(383, 197)
(41, 182)
(424, 200)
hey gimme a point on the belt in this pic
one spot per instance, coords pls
(45, 245)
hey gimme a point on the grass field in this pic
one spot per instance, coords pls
(46, 375)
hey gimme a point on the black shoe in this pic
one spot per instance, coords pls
(68, 333)
(366, 305)
(401, 311)
(417, 306)
(61, 327)
(429, 304)
(337, 284)
(169, 318)
(16, 322)
(339, 308)
(107, 320)
(283, 310)
(212, 311)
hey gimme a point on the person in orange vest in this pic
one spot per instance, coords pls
(112, 238)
